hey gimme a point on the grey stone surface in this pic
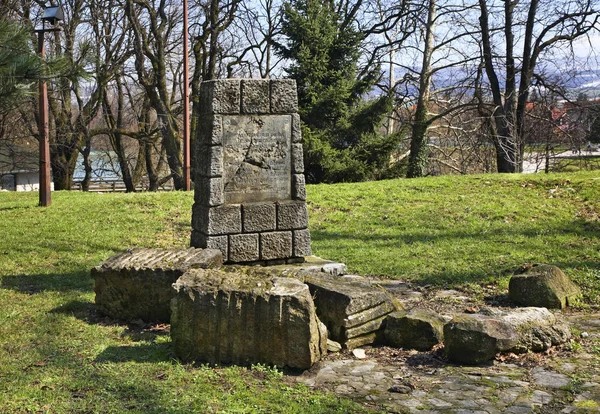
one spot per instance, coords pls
(243, 247)
(215, 135)
(209, 161)
(301, 243)
(477, 338)
(255, 96)
(545, 378)
(404, 382)
(223, 317)
(220, 243)
(543, 286)
(292, 215)
(257, 158)
(275, 245)
(297, 159)
(259, 217)
(353, 311)
(296, 131)
(221, 96)
(215, 221)
(419, 329)
(208, 191)
(136, 284)
(284, 96)
(298, 187)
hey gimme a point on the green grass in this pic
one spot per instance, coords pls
(462, 230)
(58, 356)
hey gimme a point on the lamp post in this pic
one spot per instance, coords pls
(52, 15)
(186, 101)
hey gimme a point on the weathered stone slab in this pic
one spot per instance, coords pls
(419, 329)
(543, 286)
(477, 338)
(257, 158)
(136, 284)
(225, 317)
(350, 309)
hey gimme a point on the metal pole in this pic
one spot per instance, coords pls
(186, 101)
(43, 131)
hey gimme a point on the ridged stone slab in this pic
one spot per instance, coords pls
(136, 284)
(352, 310)
(228, 317)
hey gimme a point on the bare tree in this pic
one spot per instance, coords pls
(528, 30)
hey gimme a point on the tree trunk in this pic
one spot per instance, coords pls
(417, 162)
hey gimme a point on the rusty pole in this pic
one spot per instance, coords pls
(43, 131)
(186, 101)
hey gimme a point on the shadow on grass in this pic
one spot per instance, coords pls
(52, 282)
(152, 352)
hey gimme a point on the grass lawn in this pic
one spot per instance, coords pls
(58, 355)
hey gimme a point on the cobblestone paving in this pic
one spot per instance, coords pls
(563, 380)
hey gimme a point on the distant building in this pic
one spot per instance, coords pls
(19, 169)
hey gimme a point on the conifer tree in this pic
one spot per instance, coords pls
(342, 137)
(19, 65)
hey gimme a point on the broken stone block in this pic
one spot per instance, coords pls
(352, 310)
(477, 338)
(419, 329)
(543, 286)
(229, 317)
(136, 284)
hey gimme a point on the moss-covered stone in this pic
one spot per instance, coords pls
(419, 329)
(543, 286)
(474, 339)
(228, 317)
(136, 284)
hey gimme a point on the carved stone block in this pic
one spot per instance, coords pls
(302, 243)
(219, 220)
(292, 215)
(298, 187)
(221, 96)
(259, 217)
(255, 96)
(275, 245)
(297, 159)
(284, 96)
(243, 247)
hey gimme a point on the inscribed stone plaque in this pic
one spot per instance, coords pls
(256, 158)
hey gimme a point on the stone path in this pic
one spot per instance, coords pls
(565, 380)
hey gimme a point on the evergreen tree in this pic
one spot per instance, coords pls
(19, 65)
(342, 141)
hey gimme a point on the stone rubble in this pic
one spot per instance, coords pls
(408, 381)
(426, 385)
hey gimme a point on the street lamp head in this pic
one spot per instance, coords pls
(53, 15)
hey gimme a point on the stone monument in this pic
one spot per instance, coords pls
(250, 196)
